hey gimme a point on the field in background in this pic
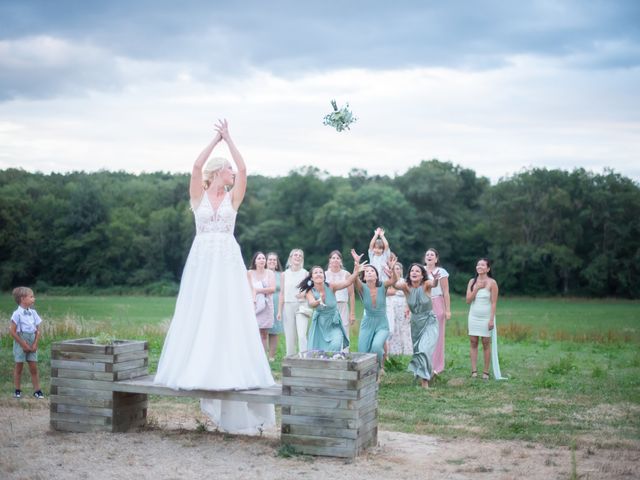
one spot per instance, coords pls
(573, 367)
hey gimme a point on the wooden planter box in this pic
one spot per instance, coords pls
(330, 407)
(82, 375)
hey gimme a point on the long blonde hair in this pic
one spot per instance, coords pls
(210, 170)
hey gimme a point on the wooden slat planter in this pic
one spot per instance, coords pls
(330, 407)
(82, 380)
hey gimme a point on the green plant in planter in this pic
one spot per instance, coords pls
(104, 339)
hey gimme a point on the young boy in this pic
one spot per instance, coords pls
(379, 253)
(25, 331)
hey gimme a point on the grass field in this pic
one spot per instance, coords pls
(573, 367)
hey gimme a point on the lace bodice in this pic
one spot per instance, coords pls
(208, 220)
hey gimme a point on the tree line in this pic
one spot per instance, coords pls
(548, 232)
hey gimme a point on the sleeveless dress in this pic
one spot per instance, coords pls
(437, 299)
(400, 337)
(277, 328)
(213, 342)
(327, 332)
(478, 322)
(265, 316)
(374, 328)
(424, 333)
(479, 313)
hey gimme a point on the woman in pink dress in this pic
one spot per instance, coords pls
(441, 304)
(263, 284)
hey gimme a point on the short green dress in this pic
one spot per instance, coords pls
(326, 332)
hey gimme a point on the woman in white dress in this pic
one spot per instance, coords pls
(213, 342)
(482, 294)
(293, 309)
(346, 298)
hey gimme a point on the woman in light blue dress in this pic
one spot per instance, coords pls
(424, 324)
(374, 328)
(326, 331)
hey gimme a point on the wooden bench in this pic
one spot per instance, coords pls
(329, 407)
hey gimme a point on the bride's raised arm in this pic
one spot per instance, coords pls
(196, 183)
(240, 183)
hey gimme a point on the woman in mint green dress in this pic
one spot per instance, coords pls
(326, 331)
(424, 324)
(374, 328)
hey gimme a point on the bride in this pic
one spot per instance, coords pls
(213, 342)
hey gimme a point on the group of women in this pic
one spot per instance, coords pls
(213, 343)
(402, 316)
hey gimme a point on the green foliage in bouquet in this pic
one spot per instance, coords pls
(340, 119)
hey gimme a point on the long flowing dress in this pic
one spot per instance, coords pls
(437, 299)
(400, 338)
(424, 333)
(213, 342)
(326, 331)
(265, 316)
(277, 328)
(374, 328)
(478, 325)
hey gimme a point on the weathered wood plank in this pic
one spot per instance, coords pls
(315, 402)
(121, 399)
(348, 452)
(82, 356)
(341, 394)
(78, 427)
(361, 361)
(81, 400)
(303, 440)
(81, 409)
(131, 374)
(146, 385)
(81, 345)
(328, 383)
(82, 384)
(319, 373)
(81, 392)
(314, 411)
(130, 365)
(80, 365)
(128, 346)
(86, 419)
(288, 419)
(135, 355)
(320, 430)
(83, 374)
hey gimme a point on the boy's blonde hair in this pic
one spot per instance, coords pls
(20, 292)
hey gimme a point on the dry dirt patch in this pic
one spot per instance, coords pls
(173, 449)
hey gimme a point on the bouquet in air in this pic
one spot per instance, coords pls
(340, 118)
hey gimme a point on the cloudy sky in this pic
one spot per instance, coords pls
(495, 86)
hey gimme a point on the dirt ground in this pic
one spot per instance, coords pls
(172, 448)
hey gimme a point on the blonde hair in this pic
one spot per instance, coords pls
(291, 254)
(211, 168)
(20, 292)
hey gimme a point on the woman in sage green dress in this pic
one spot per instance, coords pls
(326, 331)
(273, 264)
(424, 324)
(374, 328)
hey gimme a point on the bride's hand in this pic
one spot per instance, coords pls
(222, 127)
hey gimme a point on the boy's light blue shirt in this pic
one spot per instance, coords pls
(26, 319)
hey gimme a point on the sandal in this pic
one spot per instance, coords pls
(474, 374)
(485, 375)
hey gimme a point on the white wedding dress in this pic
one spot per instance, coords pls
(213, 342)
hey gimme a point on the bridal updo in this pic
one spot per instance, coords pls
(210, 170)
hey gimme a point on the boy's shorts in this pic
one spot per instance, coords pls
(19, 354)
